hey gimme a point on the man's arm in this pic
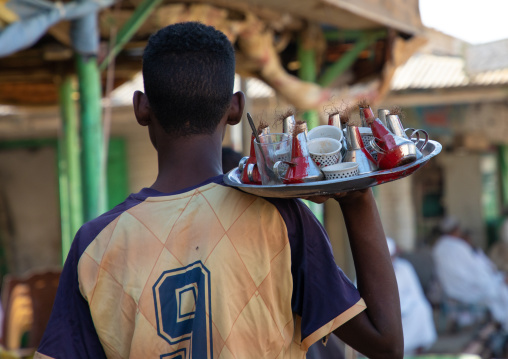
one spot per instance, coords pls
(377, 331)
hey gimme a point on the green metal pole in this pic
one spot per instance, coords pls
(307, 72)
(503, 169)
(94, 176)
(130, 27)
(63, 187)
(69, 170)
(345, 61)
(72, 153)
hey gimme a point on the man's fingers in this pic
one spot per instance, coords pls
(323, 198)
(316, 199)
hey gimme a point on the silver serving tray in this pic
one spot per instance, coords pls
(431, 149)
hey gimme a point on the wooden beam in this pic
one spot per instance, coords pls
(447, 96)
(347, 60)
(353, 35)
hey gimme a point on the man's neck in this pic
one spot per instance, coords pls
(187, 163)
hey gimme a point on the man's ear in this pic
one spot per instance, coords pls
(142, 108)
(236, 109)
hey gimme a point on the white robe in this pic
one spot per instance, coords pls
(468, 276)
(417, 320)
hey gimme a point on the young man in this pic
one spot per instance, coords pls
(192, 268)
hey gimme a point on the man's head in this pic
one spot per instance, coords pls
(188, 72)
(449, 225)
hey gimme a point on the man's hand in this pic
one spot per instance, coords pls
(337, 196)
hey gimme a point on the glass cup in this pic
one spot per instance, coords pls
(272, 147)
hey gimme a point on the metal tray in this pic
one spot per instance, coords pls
(431, 149)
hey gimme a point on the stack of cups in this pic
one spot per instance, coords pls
(325, 146)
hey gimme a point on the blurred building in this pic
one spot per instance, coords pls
(457, 93)
(331, 53)
(66, 154)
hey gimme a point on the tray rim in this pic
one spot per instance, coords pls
(328, 186)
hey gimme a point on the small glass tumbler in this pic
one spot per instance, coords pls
(271, 148)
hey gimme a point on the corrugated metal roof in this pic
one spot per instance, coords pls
(487, 57)
(497, 77)
(428, 71)
(425, 71)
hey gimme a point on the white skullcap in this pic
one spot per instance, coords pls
(448, 224)
(391, 246)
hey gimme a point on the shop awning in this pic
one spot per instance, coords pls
(38, 37)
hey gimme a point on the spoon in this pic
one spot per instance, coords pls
(271, 175)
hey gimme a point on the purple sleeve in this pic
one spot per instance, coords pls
(70, 332)
(321, 291)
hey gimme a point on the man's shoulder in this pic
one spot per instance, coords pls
(91, 229)
(278, 202)
(294, 212)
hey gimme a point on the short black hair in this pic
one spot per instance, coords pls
(189, 74)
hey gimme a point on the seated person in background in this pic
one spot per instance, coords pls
(417, 320)
(498, 253)
(466, 274)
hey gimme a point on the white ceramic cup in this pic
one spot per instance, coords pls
(342, 170)
(325, 131)
(325, 151)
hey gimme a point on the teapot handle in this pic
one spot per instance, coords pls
(250, 172)
(279, 172)
(375, 146)
(417, 139)
(409, 129)
(241, 164)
